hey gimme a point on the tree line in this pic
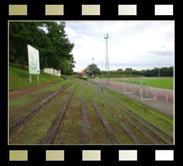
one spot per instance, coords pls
(163, 71)
(49, 38)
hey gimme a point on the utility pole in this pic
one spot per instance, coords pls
(106, 57)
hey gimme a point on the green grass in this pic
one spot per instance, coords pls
(19, 78)
(35, 130)
(120, 133)
(71, 131)
(69, 77)
(158, 118)
(52, 88)
(20, 102)
(98, 133)
(23, 100)
(164, 83)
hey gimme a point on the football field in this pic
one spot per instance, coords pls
(163, 83)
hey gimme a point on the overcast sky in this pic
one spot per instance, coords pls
(136, 44)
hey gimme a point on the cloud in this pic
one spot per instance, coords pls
(162, 53)
(139, 44)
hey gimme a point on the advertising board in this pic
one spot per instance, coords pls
(33, 58)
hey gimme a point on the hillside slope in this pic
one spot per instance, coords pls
(19, 78)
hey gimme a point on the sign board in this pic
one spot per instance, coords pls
(33, 58)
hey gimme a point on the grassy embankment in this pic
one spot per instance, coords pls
(28, 98)
(19, 78)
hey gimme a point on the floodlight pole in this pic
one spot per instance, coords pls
(107, 57)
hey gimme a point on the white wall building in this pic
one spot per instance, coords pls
(52, 71)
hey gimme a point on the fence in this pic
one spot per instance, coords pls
(158, 94)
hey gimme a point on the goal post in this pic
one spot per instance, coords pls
(141, 88)
(128, 87)
(146, 91)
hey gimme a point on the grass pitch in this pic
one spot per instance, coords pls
(163, 83)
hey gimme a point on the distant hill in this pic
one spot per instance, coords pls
(19, 78)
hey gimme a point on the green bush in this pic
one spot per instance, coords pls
(80, 77)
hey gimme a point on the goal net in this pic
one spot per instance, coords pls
(141, 88)
(128, 86)
(146, 91)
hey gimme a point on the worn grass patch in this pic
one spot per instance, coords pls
(71, 131)
(98, 133)
(158, 118)
(164, 121)
(120, 133)
(35, 130)
(27, 98)
(21, 103)
(52, 88)
(124, 137)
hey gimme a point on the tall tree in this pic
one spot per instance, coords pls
(49, 38)
(92, 68)
(23, 33)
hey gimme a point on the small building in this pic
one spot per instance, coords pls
(83, 72)
(52, 71)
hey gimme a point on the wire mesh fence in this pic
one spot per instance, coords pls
(145, 91)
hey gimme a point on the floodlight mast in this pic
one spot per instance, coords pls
(107, 58)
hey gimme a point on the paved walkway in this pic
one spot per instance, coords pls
(162, 106)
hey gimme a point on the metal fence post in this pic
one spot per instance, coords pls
(166, 97)
(30, 79)
(38, 78)
(155, 94)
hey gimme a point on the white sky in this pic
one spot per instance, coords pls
(136, 44)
